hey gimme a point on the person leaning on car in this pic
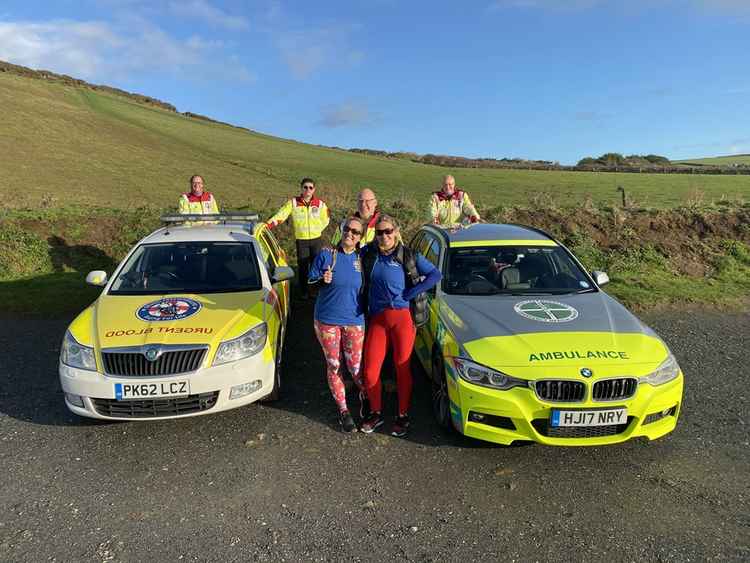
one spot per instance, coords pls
(309, 219)
(197, 201)
(450, 206)
(367, 210)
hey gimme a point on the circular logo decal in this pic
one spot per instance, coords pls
(586, 372)
(168, 309)
(546, 311)
(152, 354)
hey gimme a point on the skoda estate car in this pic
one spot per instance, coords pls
(191, 322)
(522, 344)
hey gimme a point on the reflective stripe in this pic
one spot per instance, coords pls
(471, 243)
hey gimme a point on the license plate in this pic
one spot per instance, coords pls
(151, 390)
(600, 417)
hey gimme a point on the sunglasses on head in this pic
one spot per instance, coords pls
(381, 232)
(352, 231)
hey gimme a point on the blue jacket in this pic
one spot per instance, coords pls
(338, 302)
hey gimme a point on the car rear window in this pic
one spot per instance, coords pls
(190, 267)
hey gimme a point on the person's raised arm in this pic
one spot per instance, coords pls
(281, 215)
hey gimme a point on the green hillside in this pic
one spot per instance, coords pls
(61, 144)
(736, 159)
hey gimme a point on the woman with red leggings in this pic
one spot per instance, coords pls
(388, 291)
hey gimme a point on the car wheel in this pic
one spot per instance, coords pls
(275, 393)
(441, 406)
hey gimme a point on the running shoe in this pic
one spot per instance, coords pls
(347, 422)
(371, 423)
(400, 426)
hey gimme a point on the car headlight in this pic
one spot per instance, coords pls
(76, 355)
(667, 371)
(487, 377)
(243, 346)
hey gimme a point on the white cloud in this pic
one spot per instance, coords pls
(544, 4)
(100, 51)
(741, 7)
(306, 52)
(203, 10)
(351, 113)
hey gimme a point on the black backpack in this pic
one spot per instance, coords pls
(408, 259)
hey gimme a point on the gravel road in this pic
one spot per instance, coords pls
(282, 483)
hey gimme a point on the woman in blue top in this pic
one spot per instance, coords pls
(339, 318)
(390, 271)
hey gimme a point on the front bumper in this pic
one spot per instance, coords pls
(519, 415)
(209, 390)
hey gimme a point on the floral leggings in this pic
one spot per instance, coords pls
(332, 338)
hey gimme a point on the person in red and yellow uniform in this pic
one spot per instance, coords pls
(451, 207)
(197, 200)
(309, 219)
(367, 210)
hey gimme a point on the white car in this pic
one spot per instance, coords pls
(191, 322)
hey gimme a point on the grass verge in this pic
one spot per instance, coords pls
(696, 255)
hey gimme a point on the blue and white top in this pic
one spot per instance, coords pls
(388, 282)
(338, 302)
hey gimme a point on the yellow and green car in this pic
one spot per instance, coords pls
(522, 344)
(191, 322)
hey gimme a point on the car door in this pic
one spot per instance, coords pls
(278, 297)
(428, 246)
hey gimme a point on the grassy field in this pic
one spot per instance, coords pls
(60, 144)
(719, 160)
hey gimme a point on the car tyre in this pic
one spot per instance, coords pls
(441, 406)
(275, 393)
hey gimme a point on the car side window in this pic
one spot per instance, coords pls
(416, 241)
(273, 244)
(265, 248)
(432, 251)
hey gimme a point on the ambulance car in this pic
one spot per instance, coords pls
(192, 322)
(522, 344)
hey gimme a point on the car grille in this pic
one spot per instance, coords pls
(562, 390)
(542, 426)
(614, 389)
(151, 408)
(135, 364)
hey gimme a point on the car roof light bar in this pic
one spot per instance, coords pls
(233, 217)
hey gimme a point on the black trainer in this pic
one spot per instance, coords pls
(347, 422)
(400, 426)
(364, 405)
(371, 423)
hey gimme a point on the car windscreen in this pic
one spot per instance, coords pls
(189, 267)
(489, 270)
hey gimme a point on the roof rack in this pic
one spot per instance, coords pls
(230, 217)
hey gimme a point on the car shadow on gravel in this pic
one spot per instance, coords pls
(305, 390)
(29, 386)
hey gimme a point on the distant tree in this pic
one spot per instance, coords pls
(656, 159)
(588, 161)
(611, 159)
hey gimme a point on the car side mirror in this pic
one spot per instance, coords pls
(282, 273)
(97, 278)
(600, 278)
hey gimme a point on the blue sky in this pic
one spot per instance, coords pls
(543, 79)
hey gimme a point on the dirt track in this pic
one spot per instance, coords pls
(282, 483)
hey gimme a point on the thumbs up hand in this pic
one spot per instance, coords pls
(328, 275)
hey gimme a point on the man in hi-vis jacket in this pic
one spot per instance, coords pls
(309, 219)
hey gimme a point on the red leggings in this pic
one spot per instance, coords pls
(392, 327)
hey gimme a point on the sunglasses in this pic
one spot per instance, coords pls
(381, 232)
(352, 231)
(308, 187)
